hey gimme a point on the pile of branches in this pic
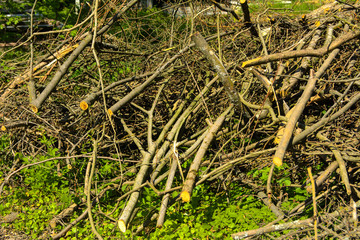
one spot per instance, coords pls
(229, 94)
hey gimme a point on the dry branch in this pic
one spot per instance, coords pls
(140, 177)
(70, 225)
(289, 84)
(278, 212)
(151, 156)
(340, 161)
(292, 225)
(226, 9)
(247, 18)
(36, 103)
(229, 87)
(194, 167)
(324, 175)
(84, 104)
(305, 52)
(166, 197)
(41, 67)
(327, 120)
(171, 114)
(297, 111)
(136, 91)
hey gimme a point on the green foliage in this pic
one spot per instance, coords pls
(209, 216)
(151, 24)
(282, 178)
(121, 69)
(15, 6)
(56, 9)
(4, 142)
(51, 9)
(281, 175)
(42, 194)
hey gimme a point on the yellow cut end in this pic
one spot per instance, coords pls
(185, 196)
(249, 61)
(122, 225)
(3, 128)
(110, 112)
(84, 105)
(317, 23)
(69, 166)
(277, 161)
(34, 109)
(242, 1)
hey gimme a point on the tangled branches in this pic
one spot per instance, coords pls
(137, 94)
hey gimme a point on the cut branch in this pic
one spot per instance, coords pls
(36, 104)
(292, 225)
(190, 178)
(303, 53)
(229, 87)
(247, 19)
(297, 111)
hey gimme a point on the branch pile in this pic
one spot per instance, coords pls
(179, 102)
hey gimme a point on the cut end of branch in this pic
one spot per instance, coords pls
(69, 166)
(3, 128)
(249, 61)
(277, 161)
(84, 105)
(34, 108)
(185, 196)
(110, 112)
(242, 1)
(122, 226)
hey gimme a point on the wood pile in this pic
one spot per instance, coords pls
(195, 100)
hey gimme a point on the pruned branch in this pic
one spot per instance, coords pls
(304, 52)
(291, 225)
(296, 112)
(229, 87)
(194, 167)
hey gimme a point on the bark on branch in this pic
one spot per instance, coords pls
(210, 55)
(297, 111)
(304, 52)
(292, 225)
(36, 103)
(190, 178)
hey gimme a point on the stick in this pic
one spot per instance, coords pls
(340, 161)
(313, 190)
(302, 53)
(190, 178)
(291, 225)
(36, 104)
(229, 87)
(298, 109)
